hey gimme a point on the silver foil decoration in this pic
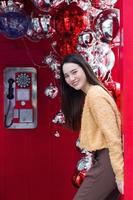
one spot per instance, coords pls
(100, 57)
(53, 65)
(85, 162)
(59, 118)
(57, 134)
(103, 4)
(51, 91)
(87, 38)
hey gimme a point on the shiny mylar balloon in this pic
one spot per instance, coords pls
(84, 5)
(100, 57)
(43, 5)
(46, 5)
(114, 88)
(53, 65)
(40, 24)
(13, 20)
(59, 118)
(107, 25)
(104, 58)
(51, 91)
(66, 45)
(78, 178)
(87, 38)
(69, 19)
(84, 163)
(14, 24)
(100, 4)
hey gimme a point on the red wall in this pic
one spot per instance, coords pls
(128, 96)
(34, 164)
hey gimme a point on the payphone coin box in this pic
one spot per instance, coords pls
(20, 97)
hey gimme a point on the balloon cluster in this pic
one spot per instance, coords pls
(88, 27)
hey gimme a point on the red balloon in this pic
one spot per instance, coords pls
(66, 45)
(68, 19)
(78, 178)
(114, 88)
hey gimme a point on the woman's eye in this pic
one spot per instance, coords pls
(74, 72)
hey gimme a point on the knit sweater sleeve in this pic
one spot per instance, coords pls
(105, 118)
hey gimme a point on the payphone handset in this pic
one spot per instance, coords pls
(20, 97)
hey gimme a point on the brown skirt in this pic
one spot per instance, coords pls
(99, 183)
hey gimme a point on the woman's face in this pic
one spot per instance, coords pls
(75, 76)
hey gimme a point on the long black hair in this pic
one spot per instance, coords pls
(72, 100)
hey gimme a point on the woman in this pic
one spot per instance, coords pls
(89, 108)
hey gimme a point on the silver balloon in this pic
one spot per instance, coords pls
(84, 5)
(103, 4)
(85, 163)
(100, 57)
(107, 25)
(41, 25)
(51, 91)
(59, 118)
(87, 38)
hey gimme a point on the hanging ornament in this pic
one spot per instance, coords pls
(53, 64)
(103, 4)
(106, 25)
(57, 134)
(59, 118)
(51, 91)
(13, 20)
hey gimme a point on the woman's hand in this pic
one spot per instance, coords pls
(120, 185)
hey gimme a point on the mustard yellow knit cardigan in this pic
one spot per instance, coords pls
(101, 127)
